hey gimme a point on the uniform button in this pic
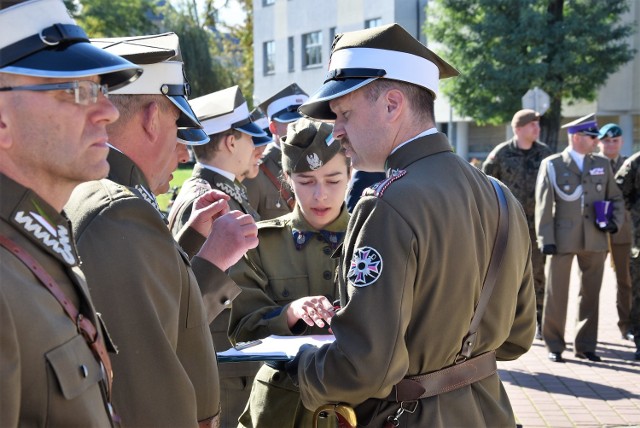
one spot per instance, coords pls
(326, 275)
(226, 302)
(285, 293)
(319, 237)
(326, 250)
(84, 370)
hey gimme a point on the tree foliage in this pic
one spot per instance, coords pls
(505, 47)
(238, 48)
(118, 18)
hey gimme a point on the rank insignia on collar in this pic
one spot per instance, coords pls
(378, 189)
(56, 238)
(365, 267)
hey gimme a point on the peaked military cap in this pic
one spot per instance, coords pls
(309, 144)
(283, 106)
(584, 125)
(224, 110)
(40, 39)
(387, 52)
(159, 56)
(610, 130)
(258, 117)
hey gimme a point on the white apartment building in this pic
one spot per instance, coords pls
(292, 42)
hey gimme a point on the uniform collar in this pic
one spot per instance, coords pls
(228, 175)
(417, 149)
(332, 234)
(37, 220)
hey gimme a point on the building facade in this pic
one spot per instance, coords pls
(292, 42)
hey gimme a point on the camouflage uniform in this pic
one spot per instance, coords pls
(518, 169)
(628, 178)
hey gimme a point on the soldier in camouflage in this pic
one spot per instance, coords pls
(628, 178)
(516, 162)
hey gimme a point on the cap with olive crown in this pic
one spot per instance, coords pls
(309, 144)
(387, 52)
(283, 106)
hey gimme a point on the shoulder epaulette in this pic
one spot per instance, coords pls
(379, 188)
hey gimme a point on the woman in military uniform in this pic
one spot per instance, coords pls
(288, 280)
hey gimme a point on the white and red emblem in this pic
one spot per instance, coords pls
(365, 267)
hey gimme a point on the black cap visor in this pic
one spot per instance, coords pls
(317, 106)
(261, 141)
(76, 61)
(250, 128)
(192, 136)
(188, 118)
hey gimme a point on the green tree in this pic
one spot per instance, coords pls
(238, 48)
(505, 47)
(118, 18)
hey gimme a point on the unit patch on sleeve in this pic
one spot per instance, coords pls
(365, 267)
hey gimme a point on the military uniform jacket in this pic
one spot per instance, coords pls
(628, 178)
(144, 285)
(518, 169)
(263, 195)
(202, 180)
(623, 236)
(564, 202)
(42, 356)
(292, 261)
(414, 259)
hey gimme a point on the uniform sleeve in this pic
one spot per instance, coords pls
(217, 288)
(370, 354)
(255, 315)
(545, 200)
(627, 178)
(615, 196)
(9, 366)
(491, 165)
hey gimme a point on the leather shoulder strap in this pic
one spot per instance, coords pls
(84, 325)
(288, 197)
(499, 247)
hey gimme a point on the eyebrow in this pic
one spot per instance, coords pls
(333, 174)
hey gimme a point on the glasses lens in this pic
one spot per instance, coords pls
(87, 92)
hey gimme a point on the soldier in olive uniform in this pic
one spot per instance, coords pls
(628, 178)
(222, 164)
(416, 252)
(569, 186)
(143, 282)
(516, 163)
(54, 112)
(288, 281)
(266, 192)
(619, 243)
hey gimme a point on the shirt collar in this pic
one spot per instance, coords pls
(230, 176)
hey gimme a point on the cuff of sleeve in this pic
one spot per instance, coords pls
(190, 240)
(217, 288)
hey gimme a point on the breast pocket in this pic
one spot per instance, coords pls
(286, 290)
(597, 183)
(567, 182)
(74, 367)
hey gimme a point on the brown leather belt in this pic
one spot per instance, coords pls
(445, 380)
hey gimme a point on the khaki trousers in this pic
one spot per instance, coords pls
(591, 265)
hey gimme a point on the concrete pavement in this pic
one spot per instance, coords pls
(578, 393)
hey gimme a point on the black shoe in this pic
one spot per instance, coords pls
(628, 336)
(538, 332)
(556, 357)
(637, 354)
(591, 356)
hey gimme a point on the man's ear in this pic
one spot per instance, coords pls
(230, 143)
(151, 120)
(5, 134)
(272, 127)
(395, 102)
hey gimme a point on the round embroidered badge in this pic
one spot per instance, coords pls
(365, 267)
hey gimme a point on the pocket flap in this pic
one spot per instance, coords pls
(74, 366)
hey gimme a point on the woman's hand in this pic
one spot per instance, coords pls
(313, 310)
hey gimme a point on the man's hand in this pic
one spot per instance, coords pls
(549, 249)
(231, 236)
(313, 310)
(208, 207)
(610, 227)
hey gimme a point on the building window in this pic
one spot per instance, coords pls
(268, 2)
(375, 22)
(312, 49)
(269, 57)
(291, 50)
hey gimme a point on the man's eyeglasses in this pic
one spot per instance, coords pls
(84, 91)
(593, 137)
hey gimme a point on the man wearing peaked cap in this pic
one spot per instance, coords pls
(415, 252)
(222, 164)
(570, 188)
(516, 163)
(610, 143)
(158, 303)
(54, 114)
(266, 192)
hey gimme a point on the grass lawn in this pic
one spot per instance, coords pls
(179, 176)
